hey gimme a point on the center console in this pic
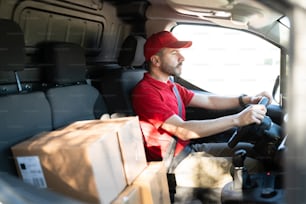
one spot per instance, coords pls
(262, 188)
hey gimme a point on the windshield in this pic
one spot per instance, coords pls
(227, 61)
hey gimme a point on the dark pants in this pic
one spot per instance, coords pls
(217, 138)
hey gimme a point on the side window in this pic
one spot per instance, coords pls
(227, 61)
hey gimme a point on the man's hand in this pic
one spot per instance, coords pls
(255, 99)
(252, 114)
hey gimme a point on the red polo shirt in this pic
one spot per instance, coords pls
(154, 102)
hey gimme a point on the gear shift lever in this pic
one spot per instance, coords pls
(240, 173)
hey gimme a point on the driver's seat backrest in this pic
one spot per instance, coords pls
(117, 83)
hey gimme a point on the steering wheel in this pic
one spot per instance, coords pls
(242, 131)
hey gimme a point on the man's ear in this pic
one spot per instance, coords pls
(155, 60)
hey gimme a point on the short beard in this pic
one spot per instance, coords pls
(173, 70)
(178, 67)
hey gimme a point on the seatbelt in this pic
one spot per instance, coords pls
(179, 100)
(168, 158)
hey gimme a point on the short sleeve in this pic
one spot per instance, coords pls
(148, 104)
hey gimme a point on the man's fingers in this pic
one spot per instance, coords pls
(257, 113)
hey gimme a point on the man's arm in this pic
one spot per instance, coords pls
(193, 129)
(216, 102)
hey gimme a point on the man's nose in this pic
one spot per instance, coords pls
(181, 57)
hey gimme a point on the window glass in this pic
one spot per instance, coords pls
(227, 61)
(285, 21)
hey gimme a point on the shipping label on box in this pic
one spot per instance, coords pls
(31, 171)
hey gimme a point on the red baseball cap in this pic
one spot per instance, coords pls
(163, 39)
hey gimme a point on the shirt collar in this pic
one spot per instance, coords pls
(156, 83)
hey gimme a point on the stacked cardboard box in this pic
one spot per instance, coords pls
(94, 161)
(150, 187)
(130, 195)
(130, 141)
(153, 184)
(85, 164)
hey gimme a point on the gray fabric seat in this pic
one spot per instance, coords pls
(22, 115)
(118, 83)
(70, 97)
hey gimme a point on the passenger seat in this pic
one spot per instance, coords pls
(22, 115)
(70, 96)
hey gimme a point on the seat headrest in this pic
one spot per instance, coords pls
(131, 53)
(12, 46)
(64, 62)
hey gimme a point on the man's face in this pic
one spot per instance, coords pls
(171, 61)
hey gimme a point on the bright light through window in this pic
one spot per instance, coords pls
(227, 61)
(285, 20)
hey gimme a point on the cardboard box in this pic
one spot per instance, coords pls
(130, 141)
(130, 195)
(84, 163)
(153, 184)
(131, 146)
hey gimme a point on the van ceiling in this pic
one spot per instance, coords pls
(249, 15)
(246, 12)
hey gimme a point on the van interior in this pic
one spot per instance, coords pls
(74, 60)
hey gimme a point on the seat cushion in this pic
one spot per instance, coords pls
(21, 117)
(73, 103)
